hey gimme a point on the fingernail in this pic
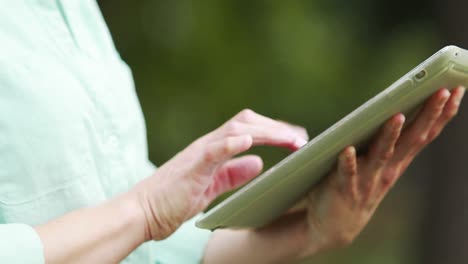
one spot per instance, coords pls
(300, 142)
(351, 152)
(403, 118)
(445, 95)
(396, 121)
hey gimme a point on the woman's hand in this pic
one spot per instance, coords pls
(189, 182)
(340, 206)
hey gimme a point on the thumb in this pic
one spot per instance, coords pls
(233, 174)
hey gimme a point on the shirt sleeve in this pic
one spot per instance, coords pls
(19, 243)
(186, 245)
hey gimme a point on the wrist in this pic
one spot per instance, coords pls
(290, 237)
(281, 246)
(313, 243)
(149, 212)
(132, 215)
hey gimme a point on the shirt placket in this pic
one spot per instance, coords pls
(60, 32)
(114, 180)
(115, 177)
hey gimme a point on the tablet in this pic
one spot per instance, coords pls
(280, 187)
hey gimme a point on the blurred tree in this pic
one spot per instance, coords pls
(445, 224)
(309, 62)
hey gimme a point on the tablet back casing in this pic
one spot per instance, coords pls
(280, 187)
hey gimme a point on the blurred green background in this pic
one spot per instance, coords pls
(196, 64)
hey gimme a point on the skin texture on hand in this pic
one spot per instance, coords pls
(190, 181)
(339, 208)
(335, 212)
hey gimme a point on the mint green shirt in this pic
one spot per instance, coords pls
(71, 129)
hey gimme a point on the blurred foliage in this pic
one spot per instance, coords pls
(196, 64)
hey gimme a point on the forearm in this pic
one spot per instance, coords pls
(249, 246)
(106, 233)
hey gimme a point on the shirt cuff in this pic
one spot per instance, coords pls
(20, 243)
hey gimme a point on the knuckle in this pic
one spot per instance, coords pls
(209, 156)
(246, 115)
(233, 128)
(386, 182)
(421, 139)
(386, 155)
(345, 239)
(228, 145)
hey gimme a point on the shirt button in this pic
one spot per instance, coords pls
(113, 141)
